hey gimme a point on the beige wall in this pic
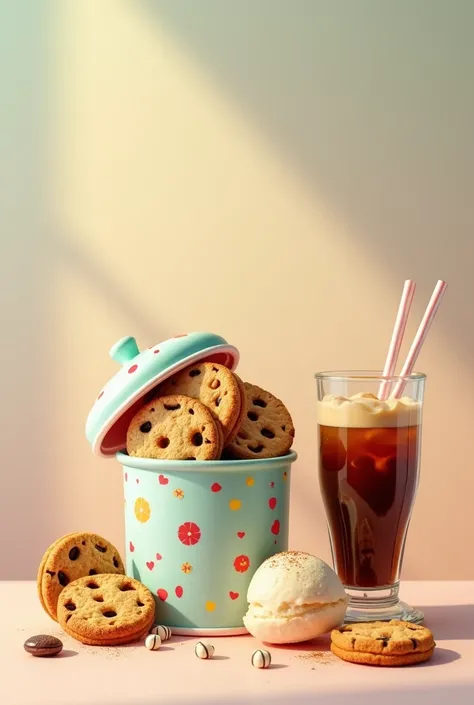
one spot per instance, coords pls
(271, 171)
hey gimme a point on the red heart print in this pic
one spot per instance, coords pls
(131, 547)
(159, 556)
(137, 480)
(272, 502)
(216, 487)
(233, 595)
(162, 594)
(163, 480)
(241, 534)
(150, 565)
(179, 591)
(126, 477)
(276, 527)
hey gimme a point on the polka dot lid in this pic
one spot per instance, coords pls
(140, 373)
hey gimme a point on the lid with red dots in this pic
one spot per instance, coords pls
(140, 373)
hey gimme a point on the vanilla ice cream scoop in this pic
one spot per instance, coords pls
(294, 597)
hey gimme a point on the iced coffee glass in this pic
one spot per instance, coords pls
(369, 460)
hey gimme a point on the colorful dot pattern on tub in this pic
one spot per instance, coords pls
(174, 526)
(142, 510)
(241, 564)
(132, 369)
(189, 533)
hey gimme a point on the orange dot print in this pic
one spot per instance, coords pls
(142, 510)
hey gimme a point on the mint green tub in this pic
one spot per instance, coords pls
(196, 533)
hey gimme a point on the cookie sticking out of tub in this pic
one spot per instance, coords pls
(205, 412)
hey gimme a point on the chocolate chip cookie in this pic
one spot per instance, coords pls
(175, 427)
(105, 610)
(215, 386)
(267, 429)
(393, 643)
(70, 557)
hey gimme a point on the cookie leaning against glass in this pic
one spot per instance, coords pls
(393, 643)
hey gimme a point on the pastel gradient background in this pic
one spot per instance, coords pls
(271, 171)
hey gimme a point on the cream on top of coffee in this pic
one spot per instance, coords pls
(365, 410)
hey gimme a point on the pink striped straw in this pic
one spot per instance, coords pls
(397, 336)
(420, 336)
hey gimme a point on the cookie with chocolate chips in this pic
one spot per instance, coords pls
(105, 610)
(71, 557)
(393, 643)
(216, 387)
(174, 427)
(266, 431)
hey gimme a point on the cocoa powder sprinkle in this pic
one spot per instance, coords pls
(324, 657)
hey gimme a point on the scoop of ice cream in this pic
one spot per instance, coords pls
(294, 596)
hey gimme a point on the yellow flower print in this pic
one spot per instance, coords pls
(210, 606)
(142, 510)
(285, 476)
(235, 504)
(186, 568)
(250, 482)
(179, 494)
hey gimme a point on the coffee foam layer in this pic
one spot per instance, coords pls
(365, 410)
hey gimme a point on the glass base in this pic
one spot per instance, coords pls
(379, 604)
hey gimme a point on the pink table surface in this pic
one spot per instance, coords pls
(132, 675)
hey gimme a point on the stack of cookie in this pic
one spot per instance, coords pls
(81, 585)
(394, 643)
(206, 412)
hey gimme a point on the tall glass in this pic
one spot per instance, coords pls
(369, 459)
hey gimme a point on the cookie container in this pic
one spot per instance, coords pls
(195, 532)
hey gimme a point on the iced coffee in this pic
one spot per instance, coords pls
(368, 471)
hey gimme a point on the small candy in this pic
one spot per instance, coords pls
(43, 645)
(153, 642)
(203, 650)
(163, 632)
(261, 658)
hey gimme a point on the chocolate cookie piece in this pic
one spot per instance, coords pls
(215, 386)
(71, 557)
(106, 610)
(174, 427)
(393, 643)
(267, 430)
(43, 645)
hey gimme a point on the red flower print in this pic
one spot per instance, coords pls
(241, 564)
(189, 533)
